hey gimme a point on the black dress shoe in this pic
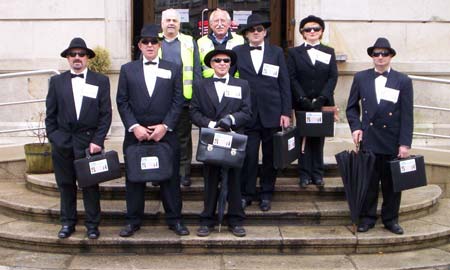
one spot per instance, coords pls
(66, 231)
(318, 182)
(245, 203)
(364, 227)
(204, 231)
(93, 233)
(265, 205)
(238, 231)
(179, 229)
(129, 230)
(185, 180)
(394, 228)
(304, 182)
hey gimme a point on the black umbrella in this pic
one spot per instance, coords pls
(356, 168)
(222, 201)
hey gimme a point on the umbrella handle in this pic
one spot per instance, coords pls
(303, 145)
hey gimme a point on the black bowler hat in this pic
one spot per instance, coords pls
(311, 18)
(78, 43)
(213, 53)
(254, 20)
(381, 43)
(151, 31)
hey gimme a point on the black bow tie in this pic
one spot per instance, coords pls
(311, 46)
(255, 48)
(385, 74)
(81, 75)
(150, 63)
(222, 80)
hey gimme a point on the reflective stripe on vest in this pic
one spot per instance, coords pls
(205, 45)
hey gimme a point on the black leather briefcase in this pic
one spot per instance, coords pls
(149, 162)
(408, 173)
(98, 168)
(286, 147)
(315, 124)
(221, 148)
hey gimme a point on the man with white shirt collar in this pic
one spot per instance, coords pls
(221, 102)
(149, 101)
(78, 117)
(263, 66)
(383, 98)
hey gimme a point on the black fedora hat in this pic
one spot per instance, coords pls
(213, 53)
(311, 18)
(151, 31)
(78, 43)
(254, 20)
(381, 43)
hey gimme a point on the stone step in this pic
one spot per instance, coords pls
(286, 189)
(19, 202)
(423, 232)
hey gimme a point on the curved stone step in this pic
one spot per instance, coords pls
(428, 231)
(17, 201)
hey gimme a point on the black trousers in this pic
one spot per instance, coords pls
(391, 199)
(212, 177)
(310, 163)
(66, 181)
(184, 130)
(256, 136)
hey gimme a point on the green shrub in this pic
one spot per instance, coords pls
(101, 62)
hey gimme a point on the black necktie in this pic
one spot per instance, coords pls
(150, 63)
(222, 80)
(255, 48)
(311, 46)
(385, 74)
(81, 75)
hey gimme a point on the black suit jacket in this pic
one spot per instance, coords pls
(63, 128)
(205, 106)
(308, 80)
(387, 125)
(271, 97)
(137, 107)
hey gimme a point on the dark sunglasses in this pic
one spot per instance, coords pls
(384, 54)
(310, 29)
(257, 29)
(225, 60)
(153, 41)
(80, 54)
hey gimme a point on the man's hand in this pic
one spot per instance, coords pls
(305, 104)
(141, 133)
(357, 136)
(93, 148)
(157, 132)
(403, 151)
(224, 123)
(285, 121)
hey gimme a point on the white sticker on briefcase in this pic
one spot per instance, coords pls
(313, 118)
(407, 165)
(98, 166)
(222, 140)
(291, 143)
(149, 163)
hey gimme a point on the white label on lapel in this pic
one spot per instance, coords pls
(270, 70)
(149, 163)
(313, 118)
(222, 140)
(323, 57)
(90, 90)
(407, 165)
(233, 92)
(390, 94)
(98, 166)
(164, 73)
(291, 143)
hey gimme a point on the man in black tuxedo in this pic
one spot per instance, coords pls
(221, 102)
(264, 67)
(78, 118)
(386, 98)
(149, 100)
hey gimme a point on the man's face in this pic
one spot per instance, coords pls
(256, 34)
(149, 47)
(170, 24)
(220, 24)
(218, 63)
(381, 58)
(312, 32)
(77, 59)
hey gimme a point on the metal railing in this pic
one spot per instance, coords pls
(433, 80)
(21, 74)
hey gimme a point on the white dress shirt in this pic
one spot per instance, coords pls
(380, 84)
(150, 72)
(312, 52)
(220, 90)
(257, 57)
(77, 89)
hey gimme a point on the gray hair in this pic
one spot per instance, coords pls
(168, 12)
(211, 17)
